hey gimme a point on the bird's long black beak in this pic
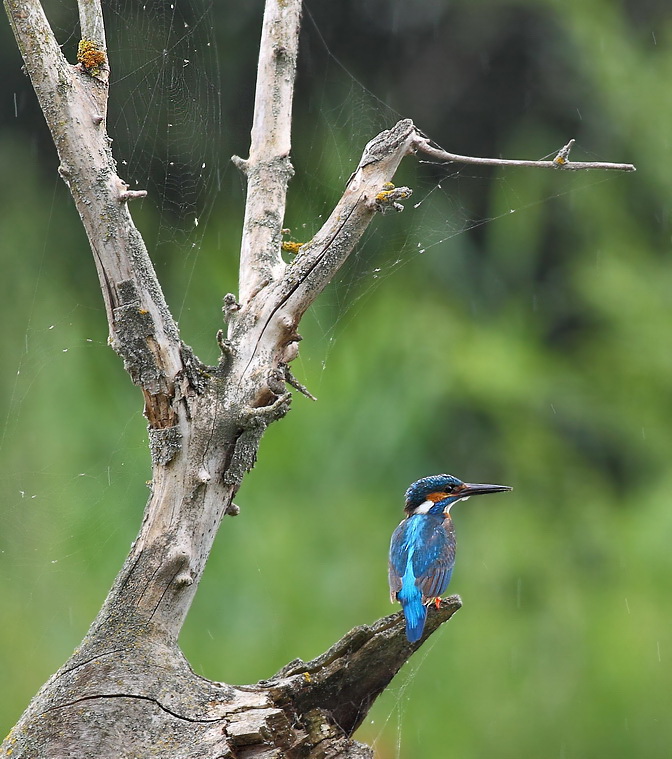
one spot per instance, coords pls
(471, 488)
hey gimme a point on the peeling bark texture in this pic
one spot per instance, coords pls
(127, 690)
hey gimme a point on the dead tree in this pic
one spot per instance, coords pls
(128, 690)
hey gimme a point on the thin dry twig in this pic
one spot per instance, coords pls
(561, 160)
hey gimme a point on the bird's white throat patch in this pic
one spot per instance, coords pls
(425, 506)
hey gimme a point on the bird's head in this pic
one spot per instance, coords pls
(440, 491)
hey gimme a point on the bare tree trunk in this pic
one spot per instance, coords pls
(127, 690)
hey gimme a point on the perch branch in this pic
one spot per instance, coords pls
(347, 678)
(308, 709)
(268, 168)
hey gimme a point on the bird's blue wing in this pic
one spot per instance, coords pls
(433, 565)
(429, 544)
(422, 554)
(398, 559)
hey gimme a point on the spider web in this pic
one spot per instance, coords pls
(166, 115)
(162, 97)
(439, 219)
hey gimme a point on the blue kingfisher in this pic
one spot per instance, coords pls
(422, 550)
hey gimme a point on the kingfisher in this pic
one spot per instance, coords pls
(422, 549)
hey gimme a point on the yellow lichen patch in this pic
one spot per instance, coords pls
(90, 57)
(386, 196)
(11, 738)
(389, 196)
(390, 192)
(291, 247)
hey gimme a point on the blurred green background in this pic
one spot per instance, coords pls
(527, 348)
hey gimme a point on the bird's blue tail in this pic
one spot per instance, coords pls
(414, 611)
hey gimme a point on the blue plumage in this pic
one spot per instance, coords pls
(422, 550)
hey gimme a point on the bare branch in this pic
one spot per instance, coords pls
(264, 328)
(91, 22)
(41, 52)
(92, 49)
(276, 315)
(318, 260)
(74, 102)
(369, 190)
(290, 379)
(561, 161)
(268, 167)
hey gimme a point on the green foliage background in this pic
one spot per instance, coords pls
(532, 350)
